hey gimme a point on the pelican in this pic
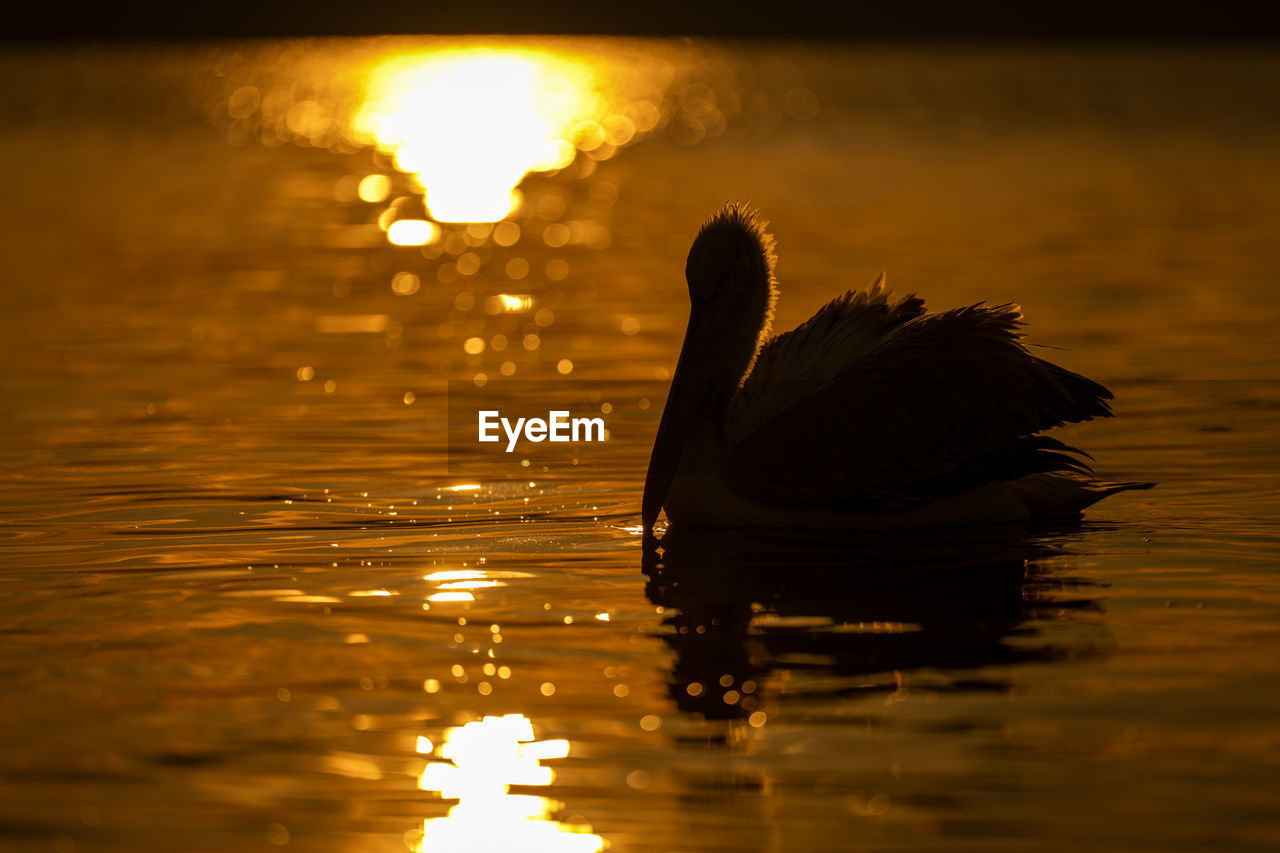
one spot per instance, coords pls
(871, 415)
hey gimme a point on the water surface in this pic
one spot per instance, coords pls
(246, 602)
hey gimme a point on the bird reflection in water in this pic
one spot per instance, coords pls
(860, 610)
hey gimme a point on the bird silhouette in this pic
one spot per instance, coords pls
(871, 415)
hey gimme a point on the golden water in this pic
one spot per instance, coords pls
(243, 605)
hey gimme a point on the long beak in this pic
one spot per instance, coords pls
(691, 390)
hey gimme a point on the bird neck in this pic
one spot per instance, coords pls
(753, 327)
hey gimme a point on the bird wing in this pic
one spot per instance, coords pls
(799, 363)
(932, 405)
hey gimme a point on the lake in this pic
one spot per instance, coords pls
(258, 589)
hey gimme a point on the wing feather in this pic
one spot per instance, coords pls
(939, 403)
(801, 362)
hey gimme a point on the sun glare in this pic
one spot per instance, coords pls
(469, 123)
(482, 760)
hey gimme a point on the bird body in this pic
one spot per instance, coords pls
(873, 414)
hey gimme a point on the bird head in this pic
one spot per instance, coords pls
(732, 291)
(731, 259)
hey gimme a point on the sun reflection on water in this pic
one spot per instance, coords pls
(468, 123)
(456, 585)
(482, 760)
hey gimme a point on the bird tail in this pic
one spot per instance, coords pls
(1061, 495)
